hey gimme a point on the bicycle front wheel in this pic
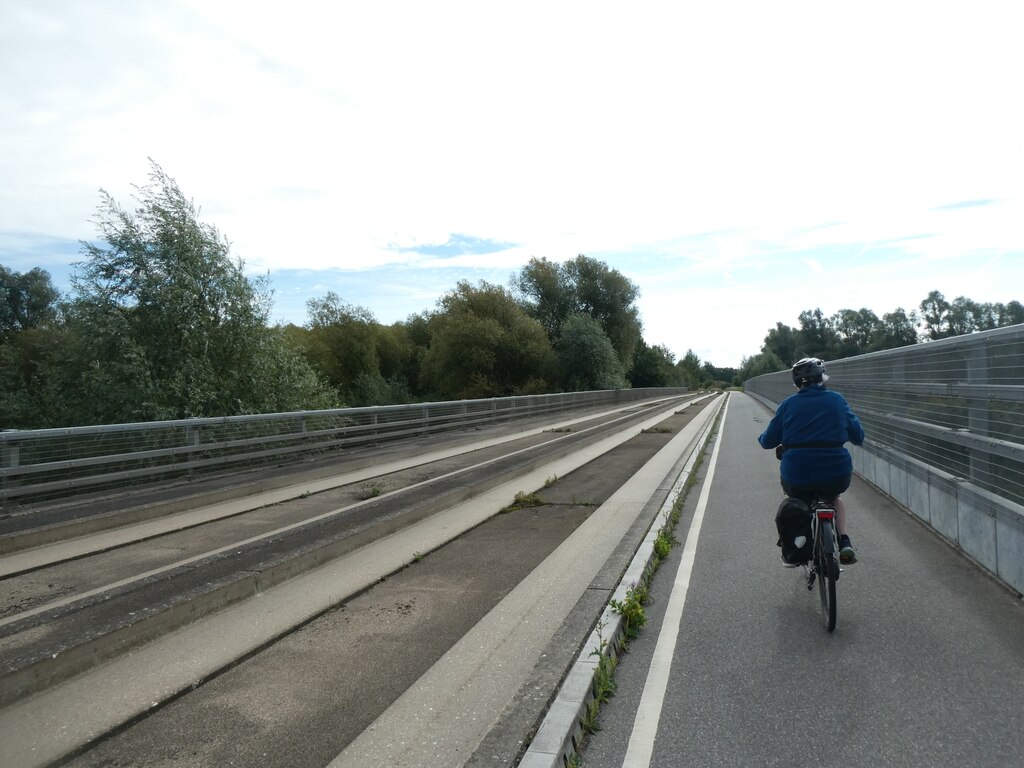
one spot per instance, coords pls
(827, 565)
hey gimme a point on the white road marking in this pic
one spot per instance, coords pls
(645, 727)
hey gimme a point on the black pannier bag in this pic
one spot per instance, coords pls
(793, 521)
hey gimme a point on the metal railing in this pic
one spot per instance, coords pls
(956, 405)
(44, 464)
(944, 422)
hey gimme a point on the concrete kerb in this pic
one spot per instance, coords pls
(560, 734)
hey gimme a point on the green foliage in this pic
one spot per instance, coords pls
(765, 362)
(690, 370)
(524, 500)
(654, 367)
(589, 721)
(27, 300)
(366, 492)
(662, 544)
(586, 358)
(366, 362)
(817, 336)
(631, 608)
(943, 319)
(164, 323)
(553, 292)
(895, 329)
(604, 678)
(849, 332)
(482, 344)
(29, 344)
(782, 342)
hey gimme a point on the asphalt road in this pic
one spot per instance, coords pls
(925, 667)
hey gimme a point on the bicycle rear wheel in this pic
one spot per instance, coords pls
(827, 565)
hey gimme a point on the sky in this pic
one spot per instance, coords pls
(740, 162)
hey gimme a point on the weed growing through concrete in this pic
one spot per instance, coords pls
(632, 607)
(663, 544)
(551, 481)
(604, 676)
(591, 715)
(656, 431)
(524, 500)
(369, 492)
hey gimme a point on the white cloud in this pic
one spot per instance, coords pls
(728, 142)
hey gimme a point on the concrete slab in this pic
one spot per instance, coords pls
(40, 729)
(445, 715)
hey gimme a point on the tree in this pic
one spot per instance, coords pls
(965, 316)
(547, 296)
(342, 343)
(166, 324)
(690, 370)
(817, 337)
(586, 358)
(27, 300)
(765, 362)
(1009, 314)
(482, 344)
(720, 377)
(29, 340)
(854, 330)
(552, 292)
(895, 329)
(782, 342)
(935, 315)
(653, 367)
(610, 298)
(371, 364)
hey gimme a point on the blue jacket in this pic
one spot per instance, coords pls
(821, 418)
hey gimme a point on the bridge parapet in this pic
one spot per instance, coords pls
(44, 464)
(945, 436)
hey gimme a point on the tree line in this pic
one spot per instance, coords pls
(162, 323)
(855, 332)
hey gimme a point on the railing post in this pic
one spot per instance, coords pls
(192, 442)
(977, 412)
(9, 460)
(900, 403)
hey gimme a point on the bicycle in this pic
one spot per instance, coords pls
(823, 566)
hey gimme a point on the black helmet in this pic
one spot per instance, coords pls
(810, 370)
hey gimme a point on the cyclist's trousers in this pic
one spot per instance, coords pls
(828, 489)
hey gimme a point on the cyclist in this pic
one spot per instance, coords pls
(812, 427)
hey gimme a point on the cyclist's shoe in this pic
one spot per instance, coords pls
(847, 554)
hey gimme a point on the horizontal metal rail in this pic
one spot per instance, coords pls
(43, 464)
(944, 425)
(955, 404)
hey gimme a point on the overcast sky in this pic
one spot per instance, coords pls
(739, 161)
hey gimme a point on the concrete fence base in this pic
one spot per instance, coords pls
(985, 527)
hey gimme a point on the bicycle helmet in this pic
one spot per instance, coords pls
(809, 370)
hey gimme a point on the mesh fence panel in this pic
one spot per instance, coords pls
(955, 404)
(39, 465)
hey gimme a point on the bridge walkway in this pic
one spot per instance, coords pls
(925, 667)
